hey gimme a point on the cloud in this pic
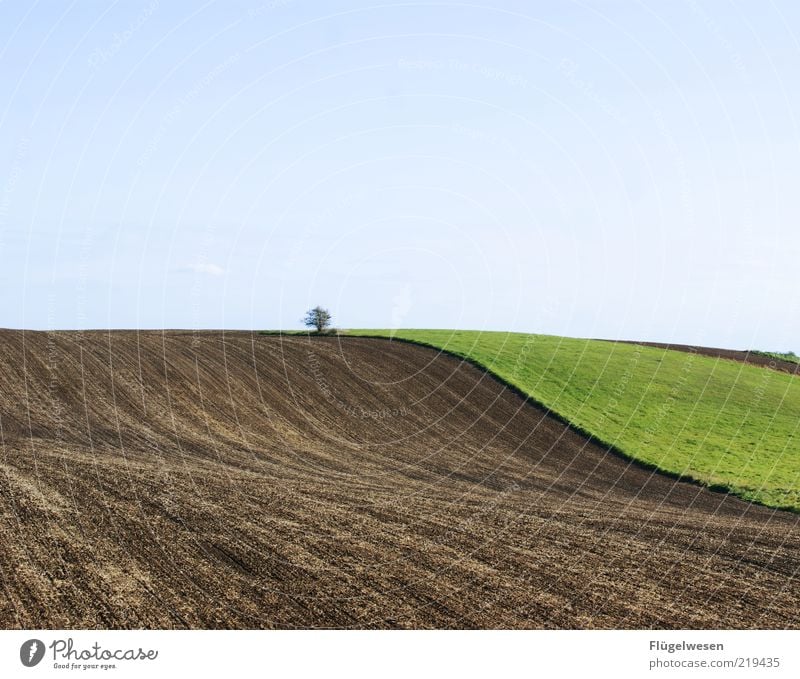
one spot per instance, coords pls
(401, 305)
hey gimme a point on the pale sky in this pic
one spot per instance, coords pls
(615, 169)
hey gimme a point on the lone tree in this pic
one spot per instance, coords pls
(318, 318)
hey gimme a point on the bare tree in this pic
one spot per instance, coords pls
(318, 318)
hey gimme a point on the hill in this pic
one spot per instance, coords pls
(725, 419)
(232, 480)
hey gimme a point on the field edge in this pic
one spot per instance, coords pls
(612, 448)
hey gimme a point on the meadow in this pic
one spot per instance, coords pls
(722, 423)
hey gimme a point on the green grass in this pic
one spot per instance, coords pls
(722, 423)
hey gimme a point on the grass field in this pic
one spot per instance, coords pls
(720, 422)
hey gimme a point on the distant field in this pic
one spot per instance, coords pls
(720, 422)
(789, 356)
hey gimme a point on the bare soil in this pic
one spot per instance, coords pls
(210, 480)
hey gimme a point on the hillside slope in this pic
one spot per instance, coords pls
(713, 418)
(233, 480)
(758, 358)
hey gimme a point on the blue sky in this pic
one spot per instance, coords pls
(598, 168)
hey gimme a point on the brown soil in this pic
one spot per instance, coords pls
(204, 480)
(729, 354)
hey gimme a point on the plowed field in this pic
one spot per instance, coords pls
(210, 480)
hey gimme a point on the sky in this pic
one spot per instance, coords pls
(604, 168)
